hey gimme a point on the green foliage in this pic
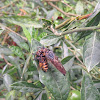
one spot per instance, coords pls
(19, 41)
(88, 90)
(27, 34)
(17, 51)
(91, 55)
(29, 25)
(54, 81)
(49, 40)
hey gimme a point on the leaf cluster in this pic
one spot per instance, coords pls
(26, 26)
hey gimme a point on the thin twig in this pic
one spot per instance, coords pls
(88, 72)
(90, 3)
(83, 66)
(6, 60)
(13, 31)
(62, 24)
(67, 4)
(9, 4)
(79, 30)
(73, 47)
(79, 64)
(66, 14)
(72, 88)
(69, 20)
(4, 40)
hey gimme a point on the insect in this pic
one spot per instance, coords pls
(44, 55)
(43, 64)
(42, 60)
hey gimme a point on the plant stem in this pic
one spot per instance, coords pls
(6, 60)
(66, 14)
(79, 30)
(73, 47)
(12, 31)
(67, 4)
(26, 65)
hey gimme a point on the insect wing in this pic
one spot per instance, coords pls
(54, 60)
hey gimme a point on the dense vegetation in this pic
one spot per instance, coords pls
(70, 28)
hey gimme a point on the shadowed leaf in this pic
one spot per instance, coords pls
(56, 82)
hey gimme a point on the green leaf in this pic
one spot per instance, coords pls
(24, 46)
(23, 86)
(4, 69)
(35, 45)
(26, 65)
(17, 51)
(68, 62)
(15, 61)
(55, 82)
(19, 41)
(7, 81)
(91, 51)
(88, 90)
(79, 8)
(38, 2)
(1, 30)
(35, 33)
(44, 96)
(27, 33)
(49, 40)
(47, 22)
(11, 95)
(66, 59)
(41, 36)
(65, 50)
(23, 20)
(3, 49)
(93, 20)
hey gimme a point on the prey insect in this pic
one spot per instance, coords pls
(44, 55)
(42, 60)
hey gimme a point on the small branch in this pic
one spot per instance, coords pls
(90, 3)
(73, 47)
(53, 30)
(67, 4)
(79, 30)
(6, 61)
(62, 24)
(88, 72)
(4, 40)
(72, 88)
(13, 31)
(66, 14)
(83, 66)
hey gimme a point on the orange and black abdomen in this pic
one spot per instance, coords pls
(43, 64)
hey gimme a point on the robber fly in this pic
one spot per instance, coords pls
(44, 55)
